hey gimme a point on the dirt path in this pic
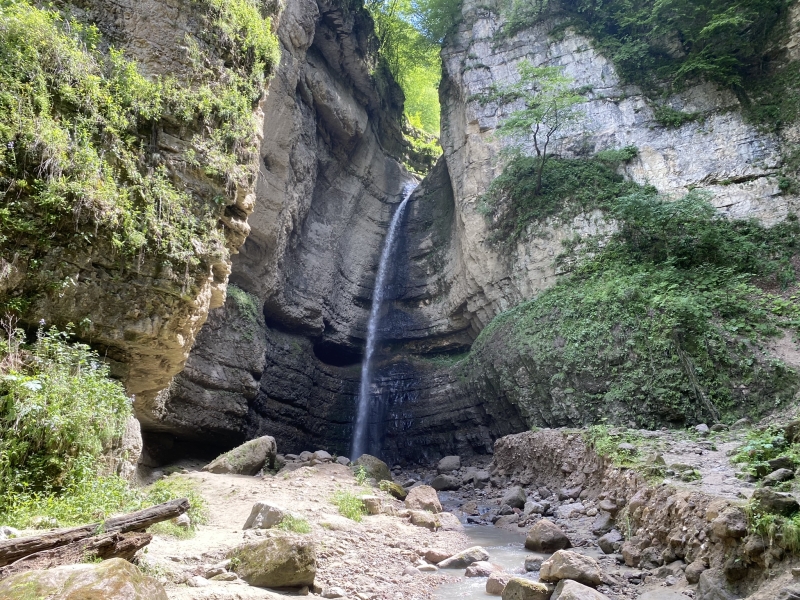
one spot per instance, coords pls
(366, 560)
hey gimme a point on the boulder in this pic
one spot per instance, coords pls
(375, 467)
(572, 590)
(515, 497)
(305, 456)
(394, 489)
(435, 555)
(533, 563)
(422, 518)
(423, 497)
(566, 564)
(546, 536)
(478, 477)
(770, 501)
(781, 462)
(610, 542)
(264, 515)
(322, 456)
(482, 568)
(731, 523)
(247, 459)
(449, 464)
(631, 554)
(702, 429)
(449, 522)
(694, 569)
(778, 476)
(533, 508)
(115, 579)
(443, 483)
(464, 558)
(518, 588)
(603, 523)
(572, 493)
(372, 504)
(281, 560)
(342, 460)
(713, 586)
(497, 583)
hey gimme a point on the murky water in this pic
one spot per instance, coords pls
(505, 548)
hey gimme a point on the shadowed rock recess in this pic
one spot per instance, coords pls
(331, 176)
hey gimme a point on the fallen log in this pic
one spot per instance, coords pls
(104, 546)
(16, 548)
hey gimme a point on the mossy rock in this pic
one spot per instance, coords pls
(281, 560)
(395, 489)
(375, 467)
(114, 578)
(247, 459)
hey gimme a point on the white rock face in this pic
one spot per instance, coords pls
(721, 154)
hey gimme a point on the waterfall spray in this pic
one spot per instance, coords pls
(362, 414)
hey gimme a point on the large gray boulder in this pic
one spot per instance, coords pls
(281, 560)
(449, 464)
(443, 483)
(423, 497)
(515, 497)
(773, 502)
(546, 536)
(247, 459)
(376, 469)
(115, 579)
(464, 558)
(566, 564)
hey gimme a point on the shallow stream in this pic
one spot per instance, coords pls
(505, 548)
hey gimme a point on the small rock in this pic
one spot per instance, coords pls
(572, 590)
(225, 577)
(342, 460)
(572, 493)
(449, 464)
(566, 564)
(694, 570)
(497, 583)
(435, 556)
(533, 563)
(778, 476)
(264, 515)
(592, 512)
(533, 508)
(719, 427)
(413, 571)
(443, 483)
(334, 592)
(428, 568)
(7, 532)
(464, 558)
(518, 588)
(482, 568)
(731, 523)
(306, 456)
(394, 489)
(546, 536)
(702, 429)
(505, 509)
(608, 506)
(506, 520)
(626, 447)
(514, 497)
(322, 456)
(214, 571)
(610, 542)
(372, 504)
(422, 518)
(423, 497)
(198, 581)
(781, 462)
(183, 521)
(742, 423)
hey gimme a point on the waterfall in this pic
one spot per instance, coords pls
(362, 414)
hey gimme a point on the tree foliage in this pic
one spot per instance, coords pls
(412, 58)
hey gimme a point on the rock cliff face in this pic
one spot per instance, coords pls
(323, 204)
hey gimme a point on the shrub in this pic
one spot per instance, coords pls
(349, 505)
(296, 524)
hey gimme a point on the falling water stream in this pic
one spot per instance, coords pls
(362, 414)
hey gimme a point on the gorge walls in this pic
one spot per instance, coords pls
(330, 178)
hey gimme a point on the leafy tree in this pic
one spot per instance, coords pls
(550, 104)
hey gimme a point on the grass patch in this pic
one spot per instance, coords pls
(296, 524)
(349, 505)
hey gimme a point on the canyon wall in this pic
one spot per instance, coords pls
(330, 179)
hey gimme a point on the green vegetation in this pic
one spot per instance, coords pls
(296, 524)
(566, 187)
(361, 475)
(79, 164)
(659, 323)
(776, 530)
(764, 445)
(413, 60)
(349, 505)
(60, 414)
(606, 442)
(669, 117)
(677, 41)
(246, 303)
